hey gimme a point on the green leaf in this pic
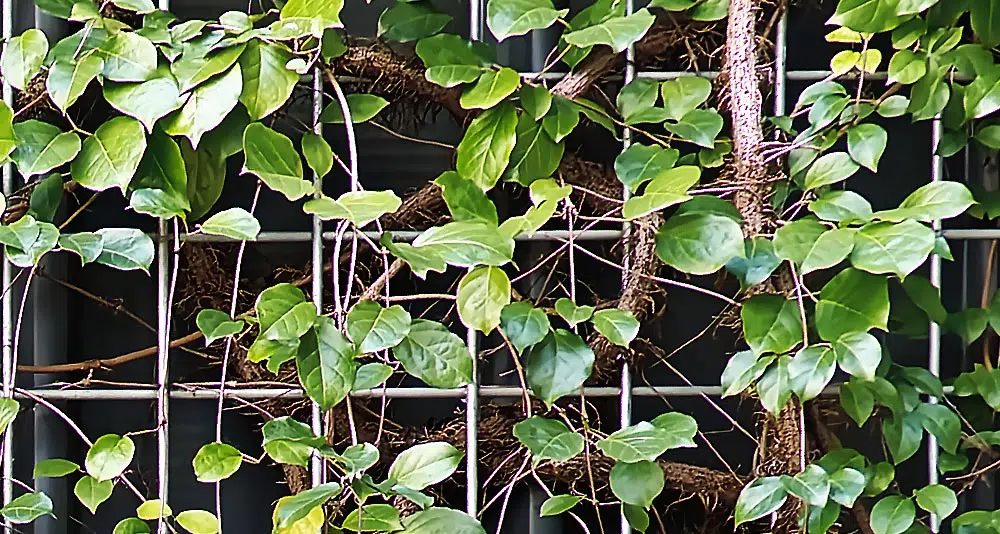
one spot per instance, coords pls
(92, 492)
(902, 436)
(275, 303)
(857, 401)
(637, 483)
(897, 248)
(126, 249)
(710, 10)
(111, 156)
(486, 148)
(699, 126)
(811, 485)
(424, 465)
(28, 240)
(298, 506)
(558, 365)
(452, 60)
(288, 441)
(878, 478)
(523, 324)
(42, 147)
(742, 370)
(536, 100)
(557, 504)
(216, 461)
(509, 18)
(684, 94)
(760, 498)
(87, 245)
(636, 102)
(640, 163)
(363, 108)
(564, 117)
(272, 157)
(23, 56)
(841, 206)
(616, 32)
(618, 326)
(492, 88)
(482, 295)
(128, 57)
(207, 106)
(358, 207)
(812, 245)
(894, 106)
(936, 200)
(866, 143)
(699, 243)
(318, 153)
(371, 375)
(942, 423)
(198, 521)
(465, 200)
(548, 439)
(636, 517)
(436, 520)
(139, 6)
(573, 314)
(859, 354)
(775, 386)
(853, 301)
(206, 175)
(325, 364)
(27, 508)
(109, 456)
(758, 264)
(811, 370)
(358, 458)
(54, 468)
(535, 156)
(467, 244)
(645, 441)
(829, 169)
(8, 141)
(892, 515)
(215, 324)
(668, 188)
(846, 486)
(66, 81)
(372, 518)
(434, 355)
(194, 68)
(986, 22)
(410, 21)
(267, 83)
(235, 223)
(374, 328)
(771, 323)
(937, 499)
(160, 182)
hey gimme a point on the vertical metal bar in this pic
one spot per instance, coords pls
(317, 264)
(162, 355)
(934, 338)
(625, 398)
(472, 390)
(8, 297)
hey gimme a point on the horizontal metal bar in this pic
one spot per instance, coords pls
(971, 233)
(508, 392)
(404, 235)
(796, 75)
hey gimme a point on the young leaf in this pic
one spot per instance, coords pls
(27, 508)
(23, 56)
(644, 441)
(410, 21)
(742, 370)
(298, 506)
(482, 295)
(866, 143)
(216, 461)
(485, 149)
(318, 153)
(92, 492)
(684, 94)
(424, 465)
(640, 163)
(548, 439)
(363, 108)
(436, 520)
(858, 354)
(524, 324)
(557, 504)
(771, 324)
(853, 301)
(760, 498)
(509, 18)
(830, 169)
(267, 83)
(54, 468)
(109, 456)
(617, 32)
(371, 375)
(572, 313)
(898, 248)
(637, 483)
(67, 81)
(215, 324)
(206, 108)
(492, 87)
(618, 326)
(937, 499)
(373, 518)
(198, 521)
(358, 207)
(126, 249)
(892, 515)
(699, 243)
(235, 223)
(374, 328)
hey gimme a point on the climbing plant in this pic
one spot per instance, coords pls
(708, 184)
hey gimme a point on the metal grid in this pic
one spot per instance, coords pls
(163, 391)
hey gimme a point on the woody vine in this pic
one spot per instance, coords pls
(710, 183)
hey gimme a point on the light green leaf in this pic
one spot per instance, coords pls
(616, 32)
(452, 60)
(937, 499)
(698, 242)
(492, 87)
(482, 295)
(27, 508)
(374, 328)
(54, 468)
(410, 21)
(109, 456)
(126, 249)
(811, 485)
(894, 106)
(841, 206)
(811, 370)
(699, 126)
(372, 518)
(215, 324)
(760, 498)
(640, 163)
(298, 506)
(830, 169)
(771, 323)
(318, 153)
(986, 22)
(207, 106)
(467, 244)
(322, 13)
(359, 207)
(636, 102)
(235, 223)
(87, 245)
(139, 6)
(67, 81)
(813, 246)
(436, 356)
(536, 155)
(325, 364)
(775, 387)
(128, 57)
(465, 200)
(486, 148)
(558, 365)
(846, 486)
(436, 520)
(936, 200)
(645, 442)
(668, 188)
(363, 108)
(564, 117)
(858, 354)
(196, 67)
(28, 240)
(131, 525)
(743, 369)
(523, 324)
(892, 515)
(371, 375)
(358, 458)
(536, 100)
(272, 157)
(111, 156)
(198, 521)
(853, 301)
(618, 326)
(684, 94)
(557, 504)
(23, 56)
(897, 248)
(637, 483)
(288, 441)
(216, 461)
(267, 84)
(509, 18)
(424, 465)
(548, 439)
(147, 101)
(42, 147)
(866, 143)
(758, 265)
(8, 141)
(572, 313)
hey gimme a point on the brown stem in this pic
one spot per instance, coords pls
(90, 365)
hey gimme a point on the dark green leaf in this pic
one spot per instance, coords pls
(853, 301)
(558, 365)
(486, 148)
(272, 157)
(523, 324)
(548, 439)
(435, 355)
(637, 483)
(410, 21)
(325, 364)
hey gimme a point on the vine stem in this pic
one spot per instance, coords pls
(20, 321)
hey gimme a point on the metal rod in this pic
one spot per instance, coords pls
(969, 233)
(404, 235)
(625, 397)
(472, 390)
(934, 334)
(316, 237)
(8, 297)
(162, 369)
